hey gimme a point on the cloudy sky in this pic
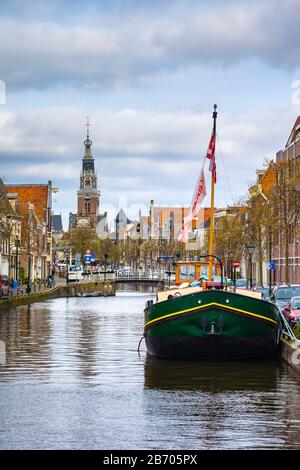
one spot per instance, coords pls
(147, 73)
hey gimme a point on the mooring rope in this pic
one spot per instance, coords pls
(140, 342)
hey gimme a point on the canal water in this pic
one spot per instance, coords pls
(73, 380)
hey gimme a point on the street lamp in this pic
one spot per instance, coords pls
(229, 262)
(251, 250)
(28, 288)
(17, 245)
(105, 266)
(220, 264)
(67, 254)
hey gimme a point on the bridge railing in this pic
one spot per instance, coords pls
(139, 275)
(134, 275)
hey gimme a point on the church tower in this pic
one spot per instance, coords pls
(88, 196)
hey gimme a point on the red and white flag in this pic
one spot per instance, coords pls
(184, 237)
(198, 196)
(211, 156)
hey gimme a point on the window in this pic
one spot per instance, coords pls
(187, 272)
(5, 246)
(88, 207)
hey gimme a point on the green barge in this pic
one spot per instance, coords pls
(210, 322)
(213, 324)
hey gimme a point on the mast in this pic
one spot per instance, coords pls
(212, 206)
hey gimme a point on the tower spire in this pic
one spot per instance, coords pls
(88, 142)
(87, 127)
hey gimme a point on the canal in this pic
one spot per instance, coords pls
(73, 380)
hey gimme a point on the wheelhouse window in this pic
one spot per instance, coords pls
(187, 272)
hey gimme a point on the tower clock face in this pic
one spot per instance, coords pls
(88, 182)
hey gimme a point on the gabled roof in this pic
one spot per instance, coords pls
(122, 217)
(295, 132)
(37, 194)
(5, 206)
(57, 225)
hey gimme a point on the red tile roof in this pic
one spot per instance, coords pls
(36, 194)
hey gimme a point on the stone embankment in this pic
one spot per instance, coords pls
(69, 290)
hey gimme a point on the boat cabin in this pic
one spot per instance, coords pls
(191, 271)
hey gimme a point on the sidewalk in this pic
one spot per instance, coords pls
(61, 290)
(22, 290)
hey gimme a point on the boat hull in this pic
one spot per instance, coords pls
(212, 325)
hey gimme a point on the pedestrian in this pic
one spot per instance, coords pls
(49, 281)
(14, 287)
(5, 289)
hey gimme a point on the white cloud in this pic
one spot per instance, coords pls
(146, 155)
(53, 171)
(114, 50)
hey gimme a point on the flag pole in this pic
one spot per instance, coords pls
(212, 207)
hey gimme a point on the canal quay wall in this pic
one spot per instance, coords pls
(107, 289)
(290, 353)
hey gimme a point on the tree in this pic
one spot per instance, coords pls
(259, 222)
(228, 237)
(285, 204)
(81, 239)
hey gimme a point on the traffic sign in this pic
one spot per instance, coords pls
(87, 258)
(236, 264)
(93, 256)
(272, 265)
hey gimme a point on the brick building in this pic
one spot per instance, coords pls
(35, 205)
(291, 154)
(288, 162)
(10, 235)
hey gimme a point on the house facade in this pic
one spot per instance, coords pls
(10, 235)
(290, 154)
(35, 208)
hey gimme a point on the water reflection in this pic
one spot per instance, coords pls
(26, 332)
(211, 377)
(141, 287)
(234, 405)
(73, 379)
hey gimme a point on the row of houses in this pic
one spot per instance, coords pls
(26, 241)
(167, 223)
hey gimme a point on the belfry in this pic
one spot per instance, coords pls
(88, 195)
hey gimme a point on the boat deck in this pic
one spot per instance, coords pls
(176, 290)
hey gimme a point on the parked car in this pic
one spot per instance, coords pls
(292, 310)
(75, 273)
(282, 294)
(263, 290)
(241, 283)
